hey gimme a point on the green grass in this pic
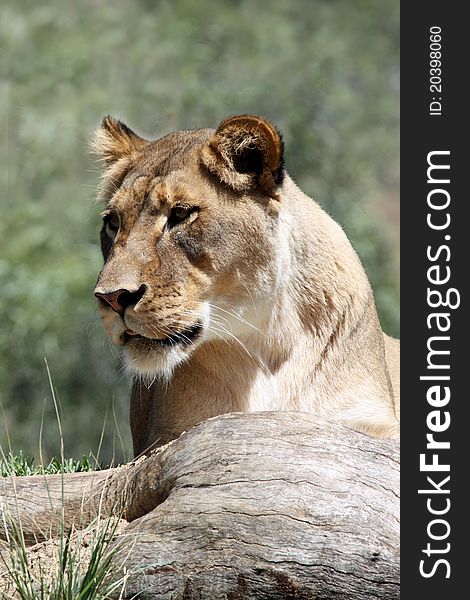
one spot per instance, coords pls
(83, 564)
(83, 567)
(80, 564)
(17, 464)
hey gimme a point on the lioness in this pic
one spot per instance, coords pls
(231, 290)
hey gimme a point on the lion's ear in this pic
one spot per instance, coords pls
(114, 140)
(246, 152)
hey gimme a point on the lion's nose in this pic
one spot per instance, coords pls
(119, 300)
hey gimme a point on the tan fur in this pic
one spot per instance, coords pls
(287, 313)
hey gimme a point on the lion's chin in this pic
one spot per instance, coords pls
(149, 358)
(147, 364)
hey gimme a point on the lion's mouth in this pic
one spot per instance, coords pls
(181, 338)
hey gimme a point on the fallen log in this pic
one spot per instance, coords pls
(263, 505)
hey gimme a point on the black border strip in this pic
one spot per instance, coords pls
(424, 132)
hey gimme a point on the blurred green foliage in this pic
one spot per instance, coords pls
(325, 71)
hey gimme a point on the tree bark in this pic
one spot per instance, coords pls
(256, 506)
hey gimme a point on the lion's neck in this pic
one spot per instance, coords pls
(321, 293)
(317, 344)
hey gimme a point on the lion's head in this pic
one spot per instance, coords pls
(189, 236)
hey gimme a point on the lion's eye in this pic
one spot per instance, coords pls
(179, 214)
(111, 225)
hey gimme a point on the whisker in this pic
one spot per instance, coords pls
(249, 293)
(224, 330)
(220, 336)
(235, 316)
